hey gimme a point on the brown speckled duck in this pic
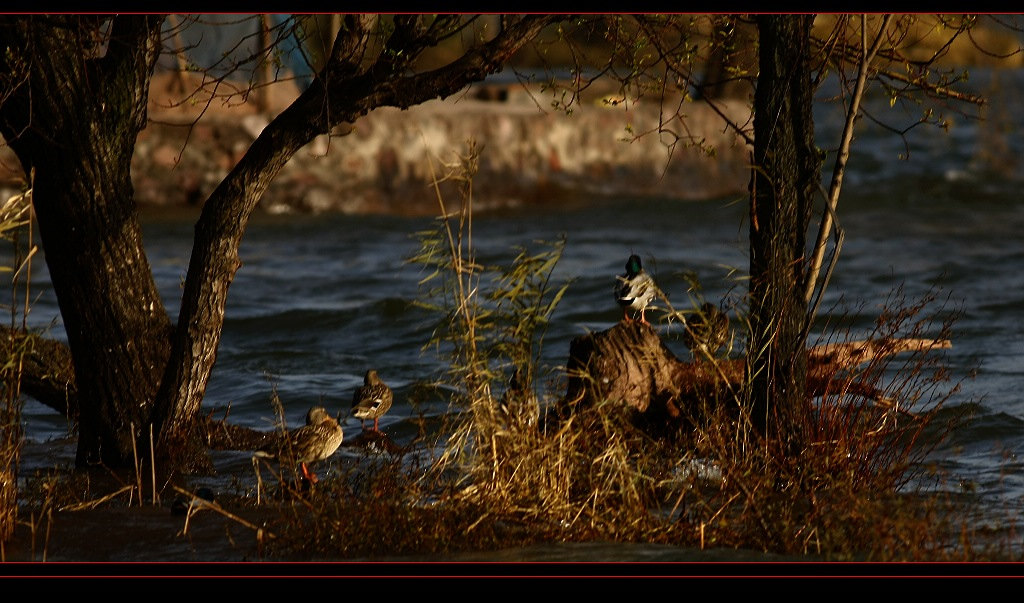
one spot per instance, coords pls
(706, 331)
(315, 441)
(519, 404)
(372, 399)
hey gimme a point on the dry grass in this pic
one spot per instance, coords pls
(16, 227)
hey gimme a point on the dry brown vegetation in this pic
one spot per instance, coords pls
(501, 471)
(15, 227)
(506, 473)
(500, 478)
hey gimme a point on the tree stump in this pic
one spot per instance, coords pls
(630, 364)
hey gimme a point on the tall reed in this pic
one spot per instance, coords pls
(491, 330)
(15, 223)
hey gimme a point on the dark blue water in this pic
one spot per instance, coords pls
(320, 299)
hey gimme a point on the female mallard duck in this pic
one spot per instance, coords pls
(315, 441)
(634, 289)
(706, 331)
(372, 399)
(519, 404)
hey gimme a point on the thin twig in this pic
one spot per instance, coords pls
(843, 154)
(198, 503)
(152, 467)
(92, 504)
(135, 459)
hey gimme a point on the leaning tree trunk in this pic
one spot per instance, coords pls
(72, 114)
(73, 99)
(345, 89)
(785, 177)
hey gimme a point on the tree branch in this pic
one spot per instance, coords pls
(48, 373)
(842, 156)
(329, 101)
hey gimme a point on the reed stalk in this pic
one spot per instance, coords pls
(15, 221)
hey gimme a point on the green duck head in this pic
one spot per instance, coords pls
(633, 266)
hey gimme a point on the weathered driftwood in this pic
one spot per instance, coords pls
(852, 353)
(630, 363)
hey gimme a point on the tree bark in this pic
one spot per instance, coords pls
(785, 178)
(74, 115)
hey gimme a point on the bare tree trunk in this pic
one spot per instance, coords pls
(342, 91)
(786, 176)
(75, 118)
(842, 156)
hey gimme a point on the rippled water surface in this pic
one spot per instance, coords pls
(319, 300)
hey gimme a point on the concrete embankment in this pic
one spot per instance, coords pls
(529, 153)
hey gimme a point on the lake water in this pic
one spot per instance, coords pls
(320, 299)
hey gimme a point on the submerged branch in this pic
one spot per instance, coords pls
(853, 353)
(48, 374)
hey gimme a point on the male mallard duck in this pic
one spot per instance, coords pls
(372, 399)
(318, 439)
(635, 289)
(706, 330)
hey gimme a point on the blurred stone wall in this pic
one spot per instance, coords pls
(528, 152)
